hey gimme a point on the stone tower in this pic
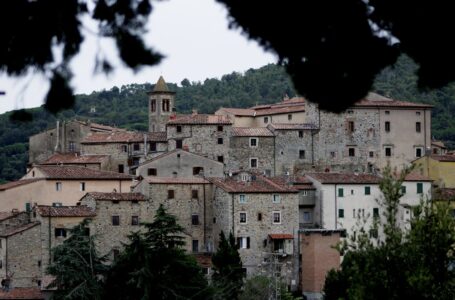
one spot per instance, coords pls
(161, 106)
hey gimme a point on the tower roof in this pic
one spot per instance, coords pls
(161, 85)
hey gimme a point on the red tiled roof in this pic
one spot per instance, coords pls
(260, 185)
(375, 100)
(281, 236)
(251, 131)
(292, 126)
(74, 158)
(8, 231)
(447, 158)
(176, 180)
(101, 127)
(243, 112)
(174, 152)
(117, 196)
(65, 211)
(72, 172)
(445, 194)
(13, 184)
(346, 178)
(124, 137)
(33, 293)
(416, 177)
(200, 119)
(280, 110)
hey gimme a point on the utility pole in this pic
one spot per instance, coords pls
(273, 267)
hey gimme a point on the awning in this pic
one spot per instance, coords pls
(281, 236)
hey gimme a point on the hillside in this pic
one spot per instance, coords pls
(125, 106)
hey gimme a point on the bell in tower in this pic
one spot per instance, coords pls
(161, 106)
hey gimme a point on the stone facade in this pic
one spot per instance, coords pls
(243, 150)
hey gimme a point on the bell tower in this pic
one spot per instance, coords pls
(161, 106)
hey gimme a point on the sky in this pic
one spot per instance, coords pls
(193, 36)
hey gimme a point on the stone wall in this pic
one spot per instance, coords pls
(241, 152)
(158, 118)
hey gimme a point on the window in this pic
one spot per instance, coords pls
(340, 192)
(351, 127)
(134, 220)
(165, 105)
(220, 158)
(353, 213)
(352, 192)
(367, 190)
(300, 133)
(419, 152)
(179, 128)
(194, 194)
(304, 193)
(121, 169)
(276, 217)
(371, 154)
(253, 162)
(243, 242)
(153, 105)
(259, 217)
(60, 232)
(289, 117)
(333, 154)
(28, 208)
(351, 152)
(242, 199)
(419, 188)
(418, 129)
(71, 146)
(220, 141)
(375, 212)
(178, 144)
(340, 213)
(388, 151)
(266, 120)
(219, 128)
(136, 147)
(253, 142)
(301, 154)
(195, 219)
(151, 172)
(153, 146)
(1, 263)
(195, 245)
(403, 189)
(39, 263)
(170, 194)
(58, 186)
(56, 204)
(198, 170)
(242, 217)
(387, 126)
(307, 217)
(124, 148)
(387, 112)
(276, 199)
(82, 186)
(116, 220)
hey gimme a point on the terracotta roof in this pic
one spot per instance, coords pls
(346, 178)
(175, 151)
(293, 126)
(447, 158)
(13, 184)
(22, 293)
(375, 100)
(251, 131)
(439, 144)
(281, 236)
(297, 182)
(176, 180)
(413, 176)
(101, 127)
(445, 194)
(74, 158)
(72, 172)
(280, 110)
(200, 119)
(65, 211)
(124, 137)
(9, 231)
(260, 185)
(243, 112)
(117, 196)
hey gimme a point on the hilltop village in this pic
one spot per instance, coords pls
(287, 179)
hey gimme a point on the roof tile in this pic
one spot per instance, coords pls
(117, 196)
(13, 184)
(124, 137)
(74, 158)
(22, 293)
(346, 178)
(72, 172)
(251, 131)
(200, 119)
(259, 185)
(65, 211)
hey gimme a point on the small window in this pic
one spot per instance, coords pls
(219, 128)
(136, 147)
(1, 264)
(333, 154)
(276, 199)
(60, 232)
(300, 133)
(289, 117)
(116, 220)
(115, 201)
(153, 105)
(220, 158)
(58, 186)
(134, 220)
(388, 151)
(367, 190)
(419, 152)
(153, 146)
(121, 169)
(340, 213)
(387, 112)
(307, 217)
(253, 162)
(243, 242)
(304, 193)
(266, 120)
(301, 154)
(28, 208)
(194, 194)
(195, 246)
(375, 212)
(242, 217)
(403, 189)
(82, 186)
(253, 142)
(178, 144)
(351, 127)
(352, 192)
(220, 141)
(387, 126)
(276, 217)
(170, 194)
(214, 220)
(340, 192)
(39, 263)
(419, 188)
(151, 172)
(418, 127)
(195, 219)
(165, 105)
(371, 154)
(351, 152)
(179, 129)
(56, 204)
(198, 170)
(417, 113)
(259, 217)
(242, 199)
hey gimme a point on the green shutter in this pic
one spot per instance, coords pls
(367, 190)
(341, 213)
(340, 192)
(28, 206)
(403, 189)
(375, 212)
(419, 188)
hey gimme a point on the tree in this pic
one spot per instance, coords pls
(258, 288)
(154, 266)
(228, 273)
(414, 264)
(77, 267)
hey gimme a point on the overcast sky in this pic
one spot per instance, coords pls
(193, 35)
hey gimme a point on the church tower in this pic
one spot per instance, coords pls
(161, 106)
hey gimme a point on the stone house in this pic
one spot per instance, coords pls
(252, 149)
(264, 218)
(180, 163)
(117, 216)
(126, 148)
(190, 200)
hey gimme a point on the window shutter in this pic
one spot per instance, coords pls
(248, 242)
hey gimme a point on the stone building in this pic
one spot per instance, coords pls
(161, 106)
(92, 161)
(126, 148)
(180, 163)
(264, 218)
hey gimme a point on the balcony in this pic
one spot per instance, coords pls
(309, 200)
